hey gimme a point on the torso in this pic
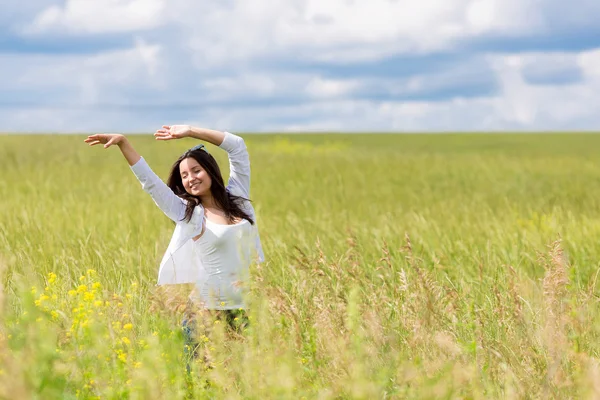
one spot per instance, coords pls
(218, 217)
(223, 253)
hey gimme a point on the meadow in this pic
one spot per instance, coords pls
(398, 266)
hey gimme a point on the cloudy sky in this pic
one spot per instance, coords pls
(299, 65)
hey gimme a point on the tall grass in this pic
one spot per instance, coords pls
(434, 266)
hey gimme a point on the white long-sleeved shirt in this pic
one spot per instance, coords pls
(199, 262)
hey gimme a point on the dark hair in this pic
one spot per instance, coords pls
(227, 202)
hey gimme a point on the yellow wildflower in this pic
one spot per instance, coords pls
(125, 340)
(82, 288)
(97, 285)
(128, 327)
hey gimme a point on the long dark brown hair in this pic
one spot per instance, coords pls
(227, 202)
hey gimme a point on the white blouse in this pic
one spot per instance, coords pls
(218, 261)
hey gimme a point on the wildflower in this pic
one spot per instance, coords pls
(81, 278)
(128, 327)
(222, 304)
(137, 365)
(125, 340)
(54, 314)
(96, 285)
(98, 303)
(51, 277)
(91, 272)
(82, 289)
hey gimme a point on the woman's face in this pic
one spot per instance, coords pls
(195, 179)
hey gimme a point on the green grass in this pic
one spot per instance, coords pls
(398, 266)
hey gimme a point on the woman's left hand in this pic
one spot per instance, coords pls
(173, 132)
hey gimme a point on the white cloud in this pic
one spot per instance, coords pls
(77, 80)
(92, 17)
(333, 30)
(206, 57)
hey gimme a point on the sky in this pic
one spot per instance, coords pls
(300, 65)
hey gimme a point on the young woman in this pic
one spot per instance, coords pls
(215, 237)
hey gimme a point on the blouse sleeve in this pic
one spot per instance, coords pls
(239, 165)
(171, 204)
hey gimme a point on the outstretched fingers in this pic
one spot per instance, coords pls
(92, 140)
(162, 134)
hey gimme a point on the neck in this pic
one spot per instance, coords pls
(208, 200)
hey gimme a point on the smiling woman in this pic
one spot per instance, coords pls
(215, 233)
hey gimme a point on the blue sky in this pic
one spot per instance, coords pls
(306, 65)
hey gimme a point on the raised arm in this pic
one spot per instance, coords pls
(239, 161)
(171, 204)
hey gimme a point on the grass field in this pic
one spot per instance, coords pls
(398, 266)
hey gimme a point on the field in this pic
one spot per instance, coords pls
(398, 266)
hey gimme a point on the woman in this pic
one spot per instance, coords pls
(215, 235)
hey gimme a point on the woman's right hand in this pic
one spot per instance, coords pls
(107, 139)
